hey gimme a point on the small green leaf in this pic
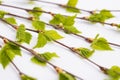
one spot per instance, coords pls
(2, 14)
(72, 3)
(57, 19)
(114, 73)
(38, 25)
(52, 35)
(86, 52)
(11, 20)
(47, 55)
(42, 41)
(100, 44)
(69, 20)
(36, 13)
(101, 17)
(9, 50)
(22, 35)
(118, 26)
(26, 77)
(65, 76)
(71, 29)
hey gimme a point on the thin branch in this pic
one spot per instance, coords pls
(70, 48)
(38, 57)
(66, 6)
(52, 14)
(87, 39)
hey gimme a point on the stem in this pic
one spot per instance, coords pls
(52, 14)
(89, 40)
(15, 66)
(37, 56)
(64, 6)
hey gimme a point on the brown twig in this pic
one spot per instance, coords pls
(70, 48)
(89, 40)
(52, 14)
(38, 57)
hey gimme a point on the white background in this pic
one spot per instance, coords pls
(67, 60)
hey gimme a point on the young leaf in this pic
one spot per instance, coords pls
(26, 77)
(36, 13)
(72, 3)
(101, 17)
(71, 29)
(38, 25)
(57, 19)
(47, 55)
(100, 44)
(68, 21)
(85, 52)
(2, 14)
(114, 73)
(52, 35)
(65, 76)
(9, 50)
(41, 41)
(11, 20)
(22, 35)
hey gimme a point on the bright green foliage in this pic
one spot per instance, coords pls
(26, 77)
(11, 20)
(114, 73)
(42, 41)
(2, 14)
(66, 22)
(38, 25)
(118, 26)
(8, 52)
(100, 44)
(36, 13)
(85, 52)
(0, 1)
(44, 37)
(66, 76)
(71, 29)
(72, 3)
(101, 17)
(52, 35)
(47, 55)
(22, 35)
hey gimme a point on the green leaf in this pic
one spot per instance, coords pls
(9, 50)
(57, 19)
(69, 20)
(26, 77)
(86, 52)
(11, 20)
(36, 13)
(71, 29)
(2, 14)
(100, 44)
(114, 73)
(42, 41)
(38, 25)
(47, 55)
(52, 35)
(65, 76)
(101, 17)
(72, 3)
(22, 35)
